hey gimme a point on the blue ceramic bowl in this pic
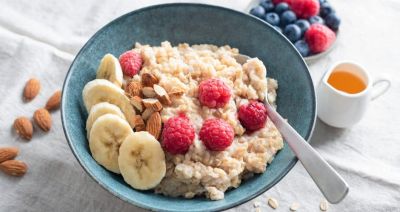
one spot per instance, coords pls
(194, 24)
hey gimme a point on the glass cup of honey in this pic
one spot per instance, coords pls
(344, 93)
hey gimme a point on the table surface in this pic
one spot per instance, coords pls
(39, 39)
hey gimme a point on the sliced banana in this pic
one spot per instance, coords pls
(101, 109)
(106, 136)
(141, 161)
(101, 90)
(110, 69)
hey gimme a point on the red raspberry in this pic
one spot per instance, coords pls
(216, 134)
(131, 62)
(253, 115)
(213, 93)
(177, 135)
(280, 1)
(319, 38)
(305, 8)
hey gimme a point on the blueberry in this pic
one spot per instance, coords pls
(258, 11)
(268, 5)
(316, 19)
(302, 47)
(292, 32)
(332, 21)
(321, 1)
(326, 9)
(303, 24)
(288, 17)
(281, 7)
(272, 18)
(278, 29)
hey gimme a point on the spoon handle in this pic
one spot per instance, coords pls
(327, 179)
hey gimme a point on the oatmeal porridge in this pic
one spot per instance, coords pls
(183, 120)
(200, 171)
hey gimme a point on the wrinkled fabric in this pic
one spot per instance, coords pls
(40, 39)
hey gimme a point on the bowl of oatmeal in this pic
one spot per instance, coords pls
(185, 56)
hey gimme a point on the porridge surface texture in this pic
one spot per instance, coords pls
(200, 171)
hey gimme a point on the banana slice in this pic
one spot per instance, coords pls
(106, 136)
(141, 161)
(101, 109)
(101, 90)
(110, 69)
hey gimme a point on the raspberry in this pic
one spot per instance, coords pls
(216, 134)
(319, 38)
(131, 62)
(213, 93)
(280, 1)
(178, 135)
(305, 8)
(253, 115)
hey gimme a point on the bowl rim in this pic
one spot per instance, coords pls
(279, 177)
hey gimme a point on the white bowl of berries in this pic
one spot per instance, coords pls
(312, 26)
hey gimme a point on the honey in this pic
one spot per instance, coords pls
(346, 81)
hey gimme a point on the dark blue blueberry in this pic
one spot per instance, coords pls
(303, 24)
(287, 17)
(316, 19)
(326, 9)
(302, 47)
(321, 1)
(268, 5)
(332, 21)
(258, 11)
(292, 32)
(272, 18)
(281, 7)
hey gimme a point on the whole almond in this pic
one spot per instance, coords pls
(32, 88)
(54, 101)
(148, 80)
(133, 88)
(14, 167)
(42, 118)
(23, 127)
(139, 123)
(8, 153)
(153, 125)
(147, 113)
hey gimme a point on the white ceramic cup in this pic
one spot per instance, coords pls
(340, 109)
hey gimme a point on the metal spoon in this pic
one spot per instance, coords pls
(331, 184)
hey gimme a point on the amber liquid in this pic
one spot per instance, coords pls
(346, 81)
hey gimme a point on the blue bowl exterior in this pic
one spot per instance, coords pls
(193, 24)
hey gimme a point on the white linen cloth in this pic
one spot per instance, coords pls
(40, 39)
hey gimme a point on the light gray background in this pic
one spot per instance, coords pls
(40, 38)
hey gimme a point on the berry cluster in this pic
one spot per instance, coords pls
(216, 134)
(309, 24)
